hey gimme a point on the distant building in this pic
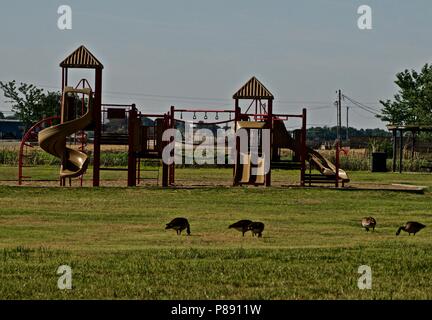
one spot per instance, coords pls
(11, 129)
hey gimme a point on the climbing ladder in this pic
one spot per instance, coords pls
(157, 163)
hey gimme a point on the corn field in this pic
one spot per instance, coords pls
(356, 160)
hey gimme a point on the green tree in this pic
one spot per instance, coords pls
(413, 102)
(51, 103)
(30, 103)
(2, 115)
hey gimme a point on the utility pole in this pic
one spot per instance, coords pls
(347, 125)
(338, 114)
(336, 104)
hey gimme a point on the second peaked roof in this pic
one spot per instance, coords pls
(253, 89)
(81, 58)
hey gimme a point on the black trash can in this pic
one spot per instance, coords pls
(379, 162)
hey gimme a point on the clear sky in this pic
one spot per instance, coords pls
(197, 53)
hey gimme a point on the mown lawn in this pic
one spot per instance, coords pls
(115, 242)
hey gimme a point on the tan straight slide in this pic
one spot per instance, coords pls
(246, 170)
(53, 139)
(243, 170)
(325, 166)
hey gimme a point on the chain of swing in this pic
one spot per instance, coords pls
(205, 116)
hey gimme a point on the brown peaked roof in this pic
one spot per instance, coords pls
(253, 89)
(81, 58)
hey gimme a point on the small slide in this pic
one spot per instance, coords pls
(53, 139)
(283, 139)
(325, 166)
(244, 169)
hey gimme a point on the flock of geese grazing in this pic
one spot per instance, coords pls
(257, 228)
(410, 227)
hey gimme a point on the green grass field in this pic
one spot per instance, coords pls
(115, 242)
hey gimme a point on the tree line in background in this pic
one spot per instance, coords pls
(330, 133)
(411, 105)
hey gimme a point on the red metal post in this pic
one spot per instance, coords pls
(131, 152)
(63, 79)
(82, 131)
(97, 128)
(172, 166)
(303, 148)
(270, 126)
(64, 84)
(165, 169)
(237, 112)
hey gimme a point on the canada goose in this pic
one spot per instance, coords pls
(242, 226)
(257, 228)
(411, 227)
(368, 222)
(179, 224)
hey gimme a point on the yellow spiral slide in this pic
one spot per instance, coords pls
(53, 139)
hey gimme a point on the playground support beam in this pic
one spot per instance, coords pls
(339, 115)
(165, 167)
(172, 166)
(98, 127)
(132, 162)
(270, 126)
(64, 78)
(303, 149)
(237, 142)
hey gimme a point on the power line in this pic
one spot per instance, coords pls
(362, 106)
(367, 110)
(191, 98)
(347, 123)
(320, 107)
(361, 115)
(312, 105)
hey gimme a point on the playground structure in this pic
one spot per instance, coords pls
(82, 110)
